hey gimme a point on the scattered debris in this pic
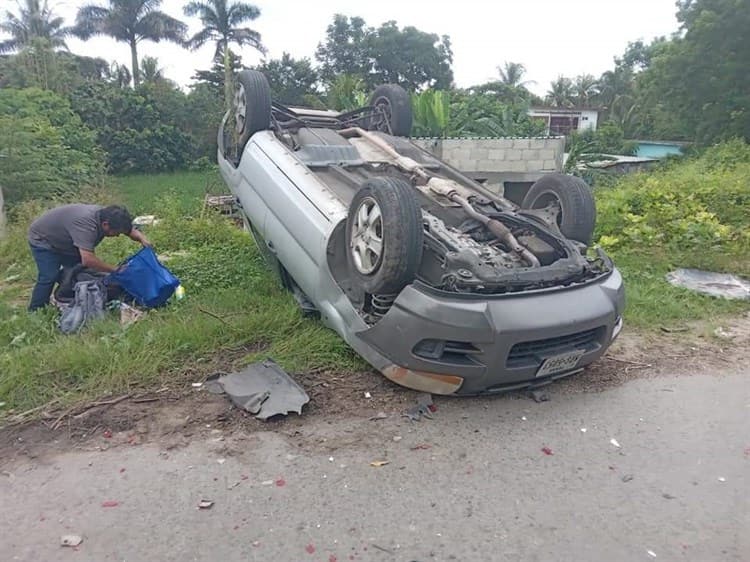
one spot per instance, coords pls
(415, 413)
(627, 478)
(368, 395)
(547, 451)
(379, 416)
(145, 220)
(583, 430)
(614, 442)
(130, 314)
(397, 438)
(673, 330)
(383, 549)
(267, 483)
(723, 334)
(523, 418)
(205, 504)
(71, 540)
(715, 284)
(425, 399)
(539, 396)
(668, 497)
(378, 464)
(110, 503)
(280, 483)
(107, 434)
(722, 479)
(651, 553)
(263, 389)
(310, 548)
(197, 385)
(421, 447)
(221, 461)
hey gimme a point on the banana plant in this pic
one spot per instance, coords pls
(431, 110)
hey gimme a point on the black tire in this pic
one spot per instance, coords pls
(400, 232)
(394, 115)
(577, 217)
(254, 93)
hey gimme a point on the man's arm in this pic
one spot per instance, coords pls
(138, 236)
(89, 259)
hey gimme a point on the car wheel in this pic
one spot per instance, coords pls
(393, 113)
(572, 196)
(384, 235)
(252, 106)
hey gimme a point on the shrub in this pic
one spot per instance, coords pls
(45, 149)
(141, 130)
(695, 209)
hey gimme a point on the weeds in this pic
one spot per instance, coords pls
(232, 302)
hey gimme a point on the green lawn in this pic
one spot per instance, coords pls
(140, 192)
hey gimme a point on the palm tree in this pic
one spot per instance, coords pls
(119, 74)
(220, 20)
(511, 74)
(129, 21)
(150, 70)
(561, 92)
(586, 88)
(34, 21)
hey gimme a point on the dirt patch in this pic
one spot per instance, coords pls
(175, 414)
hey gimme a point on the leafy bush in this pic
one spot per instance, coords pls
(142, 130)
(697, 211)
(45, 149)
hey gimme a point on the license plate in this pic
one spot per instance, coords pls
(558, 363)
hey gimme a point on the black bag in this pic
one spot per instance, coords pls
(65, 291)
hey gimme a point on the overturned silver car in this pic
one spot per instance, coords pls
(440, 284)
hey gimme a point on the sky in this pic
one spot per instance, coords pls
(550, 37)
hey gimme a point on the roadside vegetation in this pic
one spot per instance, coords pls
(233, 308)
(78, 128)
(691, 214)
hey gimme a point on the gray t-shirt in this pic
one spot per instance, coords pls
(68, 229)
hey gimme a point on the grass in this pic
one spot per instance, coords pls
(140, 192)
(652, 303)
(224, 277)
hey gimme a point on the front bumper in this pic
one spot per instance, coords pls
(446, 345)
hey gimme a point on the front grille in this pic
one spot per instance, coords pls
(532, 353)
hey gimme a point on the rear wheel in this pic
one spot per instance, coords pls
(252, 106)
(572, 197)
(384, 235)
(393, 113)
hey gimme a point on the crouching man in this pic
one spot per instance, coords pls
(66, 236)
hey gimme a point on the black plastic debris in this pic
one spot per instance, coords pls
(263, 389)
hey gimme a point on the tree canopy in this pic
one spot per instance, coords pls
(410, 57)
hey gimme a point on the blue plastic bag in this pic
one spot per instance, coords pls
(145, 279)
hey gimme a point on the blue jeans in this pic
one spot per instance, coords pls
(48, 262)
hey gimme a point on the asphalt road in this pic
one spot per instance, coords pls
(473, 484)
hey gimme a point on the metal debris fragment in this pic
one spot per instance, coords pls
(71, 540)
(205, 504)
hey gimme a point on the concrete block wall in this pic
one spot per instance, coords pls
(491, 156)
